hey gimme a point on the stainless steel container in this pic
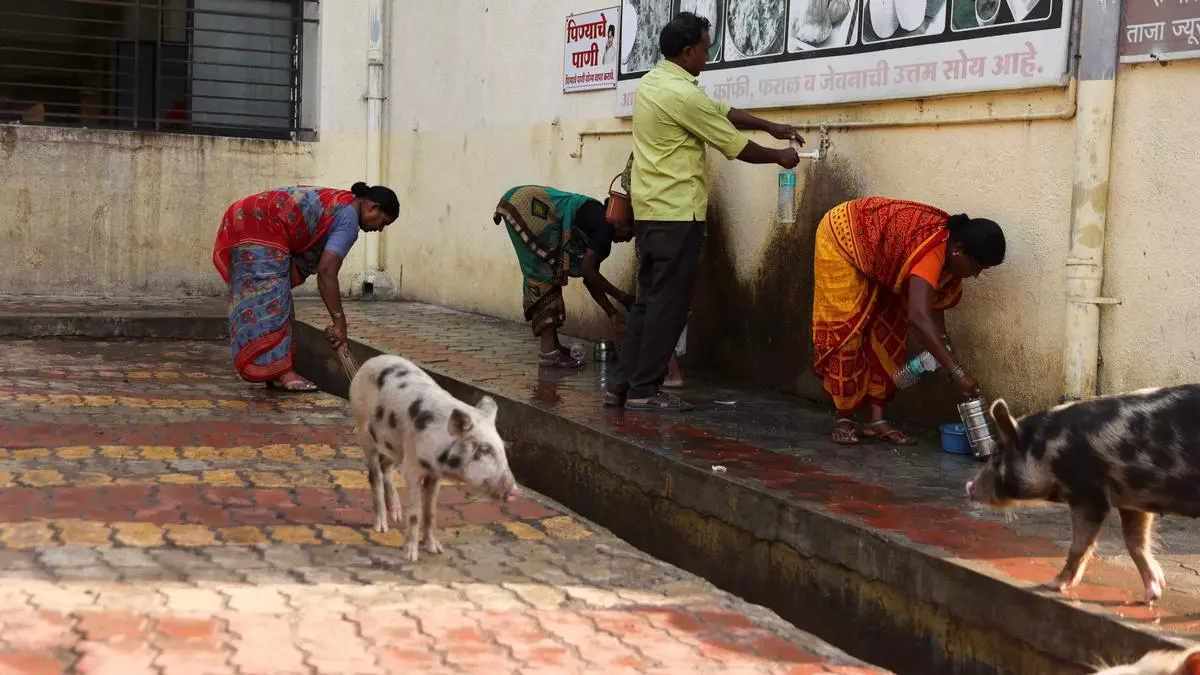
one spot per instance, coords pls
(605, 350)
(981, 433)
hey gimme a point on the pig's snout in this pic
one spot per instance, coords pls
(504, 489)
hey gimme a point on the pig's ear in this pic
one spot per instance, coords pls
(460, 423)
(488, 407)
(1192, 665)
(1005, 424)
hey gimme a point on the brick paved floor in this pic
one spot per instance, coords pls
(782, 444)
(159, 516)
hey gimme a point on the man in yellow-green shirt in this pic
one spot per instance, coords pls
(673, 121)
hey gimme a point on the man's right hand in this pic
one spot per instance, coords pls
(788, 158)
(970, 386)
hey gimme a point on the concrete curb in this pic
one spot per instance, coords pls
(102, 327)
(900, 605)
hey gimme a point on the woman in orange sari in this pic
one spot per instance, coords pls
(884, 267)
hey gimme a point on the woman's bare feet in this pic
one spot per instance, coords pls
(291, 382)
(845, 433)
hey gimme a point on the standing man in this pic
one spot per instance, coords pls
(673, 120)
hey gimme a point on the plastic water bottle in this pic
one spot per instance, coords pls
(787, 195)
(908, 374)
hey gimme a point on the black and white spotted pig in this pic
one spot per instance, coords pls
(1138, 453)
(405, 419)
(1181, 662)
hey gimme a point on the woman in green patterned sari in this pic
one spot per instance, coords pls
(558, 235)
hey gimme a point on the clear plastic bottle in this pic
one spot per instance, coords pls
(787, 195)
(908, 374)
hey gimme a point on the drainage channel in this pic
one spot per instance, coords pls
(898, 618)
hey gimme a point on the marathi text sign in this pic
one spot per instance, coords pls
(591, 53)
(1160, 30)
(1021, 44)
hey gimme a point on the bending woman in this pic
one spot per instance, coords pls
(268, 244)
(884, 267)
(558, 235)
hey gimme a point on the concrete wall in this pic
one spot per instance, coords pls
(481, 125)
(120, 213)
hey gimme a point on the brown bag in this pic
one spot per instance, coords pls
(619, 209)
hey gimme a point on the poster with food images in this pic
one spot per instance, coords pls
(785, 53)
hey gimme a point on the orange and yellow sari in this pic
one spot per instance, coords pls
(866, 251)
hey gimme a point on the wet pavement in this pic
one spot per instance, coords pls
(157, 515)
(914, 494)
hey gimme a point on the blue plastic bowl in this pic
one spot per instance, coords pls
(954, 439)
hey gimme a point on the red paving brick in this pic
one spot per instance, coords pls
(214, 528)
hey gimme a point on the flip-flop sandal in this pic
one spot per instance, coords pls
(611, 400)
(557, 359)
(660, 402)
(299, 385)
(853, 433)
(891, 434)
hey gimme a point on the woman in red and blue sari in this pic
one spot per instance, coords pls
(268, 244)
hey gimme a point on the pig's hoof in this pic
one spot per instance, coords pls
(433, 545)
(381, 524)
(1057, 585)
(1154, 591)
(395, 514)
(412, 552)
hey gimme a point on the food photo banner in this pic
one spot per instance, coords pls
(780, 53)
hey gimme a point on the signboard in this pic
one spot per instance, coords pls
(1160, 30)
(592, 51)
(778, 53)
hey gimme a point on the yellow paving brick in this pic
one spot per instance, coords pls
(278, 453)
(159, 452)
(166, 375)
(178, 479)
(190, 535)
(294, 534)
(222, 478)
(40, 478)
(118, 452)
(565, 527)
(352, 452)
(31, 453)
(240, 452)
(138, 375)
(6, 479)
(4, 453)
(84, 533)
(26, 535)
(267, 479)
(132, 402)
(99, 401)
(86, 478)
(200, 452)
(317, 451)
(166, 403)
(308, 479)
(242, 535)
(66, 399)
(74, 453)
(233, 405)
(340, 534)
(351, 480)
(523, 531)
(392, 537)
(32, 398)
(198, 404)
(142, 535)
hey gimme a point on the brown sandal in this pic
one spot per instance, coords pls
(882, 431)
(844, 432)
